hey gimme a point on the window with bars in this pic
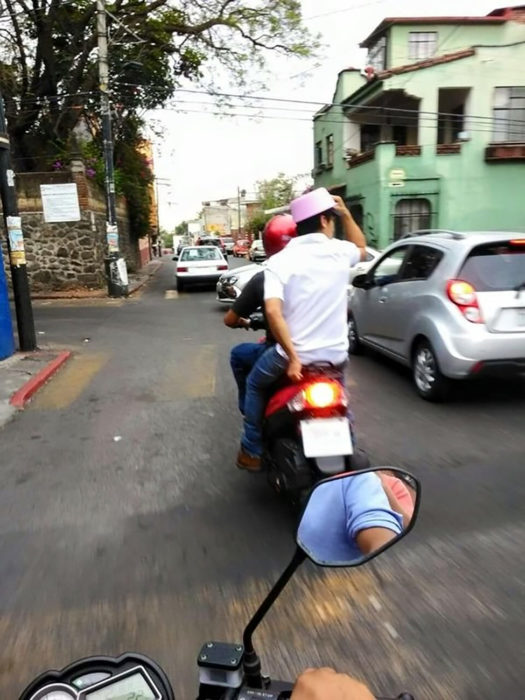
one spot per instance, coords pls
(330, 150)
(421, 45)
(411, 215)
(509, 115)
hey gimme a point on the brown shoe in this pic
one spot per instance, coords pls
(246, 461)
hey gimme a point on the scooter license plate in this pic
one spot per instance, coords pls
(326, 437)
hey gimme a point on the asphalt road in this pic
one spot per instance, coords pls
(124, 524)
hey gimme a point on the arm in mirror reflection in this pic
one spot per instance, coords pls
(347, 520)
(399, 496)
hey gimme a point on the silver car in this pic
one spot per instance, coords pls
(449, 305)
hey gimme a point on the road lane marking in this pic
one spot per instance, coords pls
(391, 631)
(190, 376)
(171, 294)
(67, 386)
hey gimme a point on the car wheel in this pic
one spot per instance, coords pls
(354, 343)
(430, 383)
(180, 285)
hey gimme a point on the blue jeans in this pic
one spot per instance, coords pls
(268, 368)
(242, 359)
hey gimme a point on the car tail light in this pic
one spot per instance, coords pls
(323, 394)
(223, 267)
(517, 241)
(464, 296)
(182, 269)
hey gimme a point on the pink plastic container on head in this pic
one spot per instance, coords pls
(311, 203)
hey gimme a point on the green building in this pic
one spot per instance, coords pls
(432, 132)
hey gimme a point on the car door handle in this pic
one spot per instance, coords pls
(382, 300)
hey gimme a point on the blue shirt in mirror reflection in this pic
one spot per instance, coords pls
(337, 511)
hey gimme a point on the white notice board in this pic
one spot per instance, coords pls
(60, 202)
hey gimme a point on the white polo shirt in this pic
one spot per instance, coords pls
(310, 276)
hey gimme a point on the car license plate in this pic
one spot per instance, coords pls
(326, 437)
(510, 320)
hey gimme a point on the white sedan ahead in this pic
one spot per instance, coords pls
(199, 264)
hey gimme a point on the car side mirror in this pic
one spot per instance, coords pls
(362, 281)
(175, 257)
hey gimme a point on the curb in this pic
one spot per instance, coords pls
(23, 395)
(145, 280)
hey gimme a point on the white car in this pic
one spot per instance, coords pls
(371, 256)
(199, 264)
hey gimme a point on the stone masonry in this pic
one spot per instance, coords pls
(68, 255)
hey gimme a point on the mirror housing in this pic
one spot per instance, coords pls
(352, 517)
(175, 258)
(362, 281)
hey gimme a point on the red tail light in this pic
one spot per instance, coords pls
(182, 269)
(464, 296)
(321, 394)
(518, 241)
(223, 267)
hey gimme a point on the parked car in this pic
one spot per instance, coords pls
(199, 264)
(241, 248)
(257, 253)
(231, 283)
(449, 305)
(228, 244)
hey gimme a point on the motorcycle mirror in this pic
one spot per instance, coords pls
(351, 518)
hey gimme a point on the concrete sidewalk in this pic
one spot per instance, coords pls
(22, 375)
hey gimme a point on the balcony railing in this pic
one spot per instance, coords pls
(411, 150)
(445, 148)
(505, 151)
(361, 158)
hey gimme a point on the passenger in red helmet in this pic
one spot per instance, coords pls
(277, 233)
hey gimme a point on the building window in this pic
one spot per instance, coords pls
(411, 215)
(421, 45)
(330, 150)
(377, 55)
(509, 114)
(318, 156)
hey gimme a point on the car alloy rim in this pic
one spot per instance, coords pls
(425, 370)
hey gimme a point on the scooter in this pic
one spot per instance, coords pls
(307, 430)
(233, 671)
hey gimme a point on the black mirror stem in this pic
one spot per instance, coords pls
(251, 662)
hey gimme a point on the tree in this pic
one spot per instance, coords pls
(276, 192)
(256, 223)
(182, 228)
(48, 58)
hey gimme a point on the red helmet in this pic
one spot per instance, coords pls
(277, 233)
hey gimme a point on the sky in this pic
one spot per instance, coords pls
(201, 156)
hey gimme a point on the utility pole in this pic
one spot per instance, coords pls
(15, 243)
(115, 265)
(240, 193)
(103, 72)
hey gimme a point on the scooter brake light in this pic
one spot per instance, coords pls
(319, 395)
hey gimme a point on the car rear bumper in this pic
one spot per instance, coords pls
(203, 278)
(482, 352)
(499, 368)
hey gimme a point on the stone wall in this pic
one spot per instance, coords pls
(68, 255)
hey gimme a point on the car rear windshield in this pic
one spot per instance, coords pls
(495, 267)
(203, 253)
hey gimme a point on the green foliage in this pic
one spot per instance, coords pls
(182, 228)
(256, 223)
(275, 192)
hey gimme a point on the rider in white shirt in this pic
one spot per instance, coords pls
(306, 305)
